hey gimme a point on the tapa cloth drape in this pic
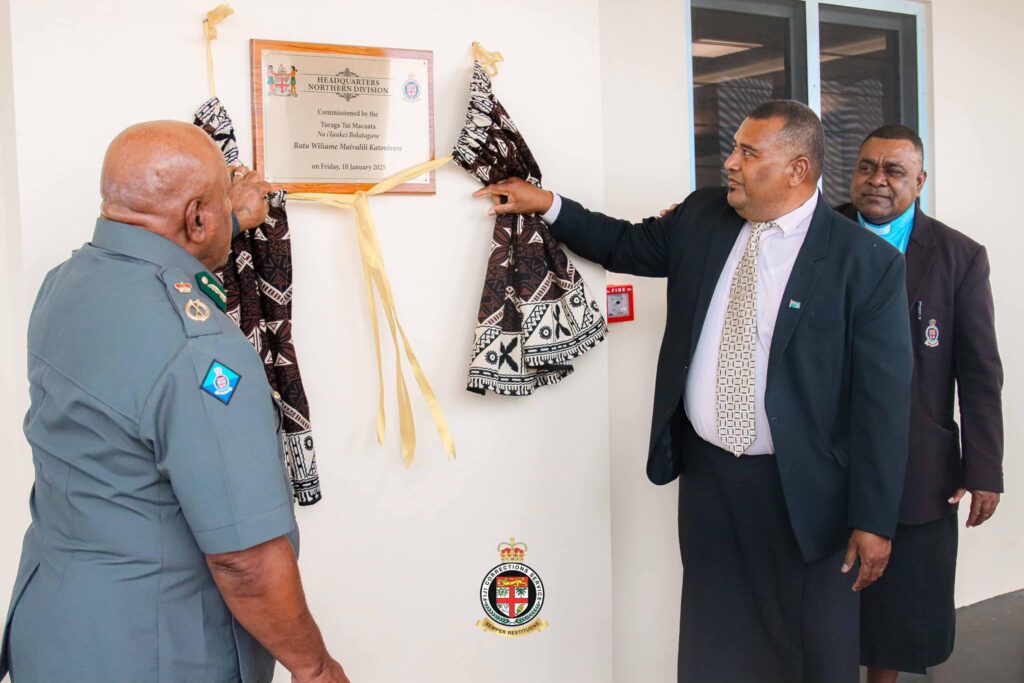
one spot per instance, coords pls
(258, 280)
(536, 313)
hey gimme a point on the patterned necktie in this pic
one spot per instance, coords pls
(734, 391)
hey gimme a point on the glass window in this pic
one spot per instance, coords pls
(745, 52)
(868, 79)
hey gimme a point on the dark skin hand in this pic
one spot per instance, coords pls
(983, 505)
(248, 196)
(767, 179)
(521, 196)
(168, 177)
(873, 551)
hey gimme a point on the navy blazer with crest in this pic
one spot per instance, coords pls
(949, 295)
(839, 369)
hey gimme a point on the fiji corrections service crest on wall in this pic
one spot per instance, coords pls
(512, 594)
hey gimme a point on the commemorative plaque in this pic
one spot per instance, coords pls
(338, 118)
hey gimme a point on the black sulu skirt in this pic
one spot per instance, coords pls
(908, 617)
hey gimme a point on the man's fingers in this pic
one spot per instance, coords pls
(495, 193)
(871, 569)
(508, 207)
(502, 188)
(849, 558)
(957, 497)
(863, 577)
(987, 509)
(869, 573)
(255, 179)
(975, 514)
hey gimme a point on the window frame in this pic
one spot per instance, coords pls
(812, 61)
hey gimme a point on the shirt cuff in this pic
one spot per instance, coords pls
(236, 227)
(263, 527)
(556, 207)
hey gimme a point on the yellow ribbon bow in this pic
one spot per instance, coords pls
(213, 17)
(376, 278)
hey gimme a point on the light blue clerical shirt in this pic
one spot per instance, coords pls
(896, 233)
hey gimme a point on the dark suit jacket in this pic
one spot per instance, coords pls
(839, 369)
(948, 273)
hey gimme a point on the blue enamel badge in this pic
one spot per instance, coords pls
(221, 382)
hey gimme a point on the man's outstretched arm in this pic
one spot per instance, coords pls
(618, 245)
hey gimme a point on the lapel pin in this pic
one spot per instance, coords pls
(793, 303)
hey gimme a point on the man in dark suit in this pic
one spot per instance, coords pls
(782, 398)
(908, 617)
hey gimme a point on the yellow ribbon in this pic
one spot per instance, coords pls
(489, 60)
(376, 278)
(213, 17)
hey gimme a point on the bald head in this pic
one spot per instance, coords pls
(169, 178)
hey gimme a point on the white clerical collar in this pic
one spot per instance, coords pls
(880, 230)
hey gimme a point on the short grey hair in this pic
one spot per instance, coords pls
(802, 132)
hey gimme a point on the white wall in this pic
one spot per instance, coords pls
(392, 559)
(18, 470)
(647, 167)
(977, 64)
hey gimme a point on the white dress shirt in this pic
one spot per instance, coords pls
(778, 251)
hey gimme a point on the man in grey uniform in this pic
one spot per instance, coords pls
(162, 544)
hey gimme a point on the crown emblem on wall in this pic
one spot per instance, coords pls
(512, 551)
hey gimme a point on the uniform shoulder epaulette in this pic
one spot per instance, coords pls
(191, 305)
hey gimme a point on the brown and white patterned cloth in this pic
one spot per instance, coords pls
(536, 313)
(258, 280)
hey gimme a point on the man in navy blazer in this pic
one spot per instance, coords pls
(771, 524)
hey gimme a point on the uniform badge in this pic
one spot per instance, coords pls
(197, 310)
(931, 334)
(183, 287)
(221, 382)
(213, 289)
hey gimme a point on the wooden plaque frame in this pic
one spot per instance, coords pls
(256, 47)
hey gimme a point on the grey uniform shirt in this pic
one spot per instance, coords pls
(154, 439)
